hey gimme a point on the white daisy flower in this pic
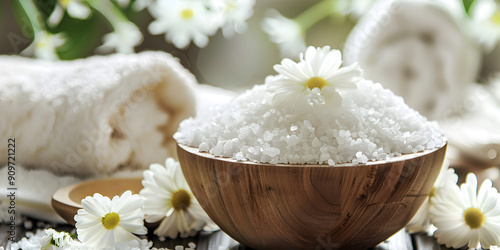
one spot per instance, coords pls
(464, 217)
(76, 8)
(485, 15)
(48, 239)
(235, 13)
(286, 33)
(137, 5)
(125, 37)
(59, 239)
(183, 21)
(168, 198)
(317, 77)
(355, 8)
(44, 45)
(421, 222)
(105, 223)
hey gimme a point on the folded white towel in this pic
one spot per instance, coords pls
(419, 50)
(93, 116)
(475, 135)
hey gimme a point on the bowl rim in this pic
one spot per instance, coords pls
(401, 158)
(62, 195)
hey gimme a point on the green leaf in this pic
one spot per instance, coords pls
(467, 4)
(82, 36)
(22, 20)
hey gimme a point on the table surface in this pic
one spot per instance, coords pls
(219, 240)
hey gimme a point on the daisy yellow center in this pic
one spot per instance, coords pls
(495, 18)
(64, 3)
(473, 217)
(187, 14)
(110, 221)
(316, 82)
(431, 194)
(230, 6)
(41, 44)
(181, 199)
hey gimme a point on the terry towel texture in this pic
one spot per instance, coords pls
(93, 116)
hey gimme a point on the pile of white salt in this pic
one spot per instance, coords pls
(372, 124)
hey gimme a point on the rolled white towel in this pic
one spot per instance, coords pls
(36, 187)
(417, 49)
(93, 116)
(475, 134)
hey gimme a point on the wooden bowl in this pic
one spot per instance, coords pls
(66, 201)
(280, 206)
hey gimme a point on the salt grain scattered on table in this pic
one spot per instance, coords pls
(371, 124)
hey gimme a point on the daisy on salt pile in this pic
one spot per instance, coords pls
(168, 198)
(465, 217)
(105, 223)
(183, 21)
(317, 76)
(285, 32)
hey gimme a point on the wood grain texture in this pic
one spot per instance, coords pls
(266, 206)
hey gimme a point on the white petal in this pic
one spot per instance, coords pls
(489, 236)
(469, 189)
(474, 239)
(78, 10)
(168, 227)
(56, 16)
(151, 218)
(96, 205)
(345, 78)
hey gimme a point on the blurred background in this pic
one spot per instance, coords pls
(441, 56)
(236, 63)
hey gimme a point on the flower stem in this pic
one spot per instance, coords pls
(109, 11)
(315, 13)
(33, 16)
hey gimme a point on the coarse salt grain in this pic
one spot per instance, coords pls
(371, 124)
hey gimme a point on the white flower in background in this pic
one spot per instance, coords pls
(235, 13)
(183, 21)
(317, 76)
(485, 15)
(168, 198)
(464, 217)
(286, 33)
(105, 223)
(125, 37)
(421, 222)
(75, 8)
(355, 8)
(138, 5)
(44, 45)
